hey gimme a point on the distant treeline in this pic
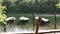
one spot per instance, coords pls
(29, 6)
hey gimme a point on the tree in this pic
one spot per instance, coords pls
(37, 6)
(2, 15)
(1, 1)
(58, 5)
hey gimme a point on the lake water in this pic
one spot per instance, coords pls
(19, 29)
(24, 29)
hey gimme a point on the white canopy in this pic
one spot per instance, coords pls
(42, 18)
(45, 19)
(11, 18)
(36, 17)
(23, 18)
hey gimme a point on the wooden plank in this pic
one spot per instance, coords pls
(31, 32)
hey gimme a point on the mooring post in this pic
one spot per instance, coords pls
(33, 18)
(4, 27)
(55, 21)
(37, 25)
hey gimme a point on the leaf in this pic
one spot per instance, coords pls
(2, 15)
(58, 5)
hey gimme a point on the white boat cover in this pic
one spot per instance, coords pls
(23, 18)
(44, 19)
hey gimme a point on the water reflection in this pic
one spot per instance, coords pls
(18, 29)
(23, 28)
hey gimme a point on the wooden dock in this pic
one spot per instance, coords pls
(31, 32)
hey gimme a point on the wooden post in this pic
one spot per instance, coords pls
(55, 21)
(4, 27)
(37, 25)
(33, 18)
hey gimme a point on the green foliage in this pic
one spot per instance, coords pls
(58, 5)
(2, 15)
(1, 1)
(29, 6)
